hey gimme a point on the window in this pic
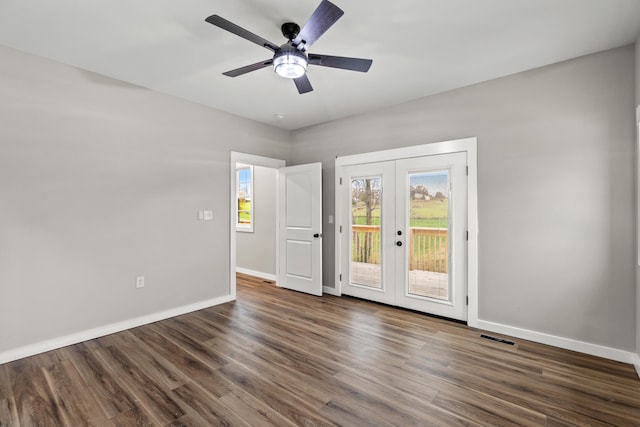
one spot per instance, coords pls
(244, 197)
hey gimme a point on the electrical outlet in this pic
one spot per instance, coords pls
(140, 282)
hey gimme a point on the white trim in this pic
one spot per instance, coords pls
(636, 361)
(255, 273)
(52, 344)
(468, 145)
(330, 290)
(638, 189)
(444, 147)
(566, 343)
(338, 208)
(237, 157)
(473, 228)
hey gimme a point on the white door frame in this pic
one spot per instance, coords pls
(468, 145)
(638, 189)
(255, 160)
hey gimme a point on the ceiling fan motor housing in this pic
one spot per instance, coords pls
(290, 30)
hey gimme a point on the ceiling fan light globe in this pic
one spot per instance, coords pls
(290, 65)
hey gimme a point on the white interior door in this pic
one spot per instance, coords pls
(403, 239)
(300, 228)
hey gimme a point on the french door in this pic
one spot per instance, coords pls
(404, 233)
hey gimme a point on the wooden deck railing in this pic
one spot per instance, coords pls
(365, 243)
(429, 247)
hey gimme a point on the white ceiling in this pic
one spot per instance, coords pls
(418, 47)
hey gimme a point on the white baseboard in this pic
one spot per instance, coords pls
(254, 273)
(52, 344)
(636, 363)
(566, 343)
(330, 290)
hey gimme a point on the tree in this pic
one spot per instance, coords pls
(418, 189)
(367, 191)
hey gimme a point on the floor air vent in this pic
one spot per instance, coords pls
(497, 339)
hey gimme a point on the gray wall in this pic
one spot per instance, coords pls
(637, 74)
(556, 189)
(101, 181)
(257, 251)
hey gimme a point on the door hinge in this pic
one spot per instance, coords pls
(341, 277)
(467, 299)
(467, 234)
(340, 180)
(341, 229)
(467, 170)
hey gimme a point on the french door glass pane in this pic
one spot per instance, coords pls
(365, 232)
(428, 250)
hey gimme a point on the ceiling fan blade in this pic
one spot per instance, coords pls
(322, 18)
(220, 22)
(303, 84)
(353, 64)
(248, 68)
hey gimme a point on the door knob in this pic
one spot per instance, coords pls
(398, 243)
(316, 235)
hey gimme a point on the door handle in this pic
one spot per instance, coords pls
(316, 235)
(398, 243)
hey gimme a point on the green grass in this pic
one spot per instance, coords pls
(424, 213)
(244, 211)
(362, 220)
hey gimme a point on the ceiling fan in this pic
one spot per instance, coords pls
(290, 60)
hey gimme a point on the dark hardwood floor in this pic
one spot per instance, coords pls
(277, 357)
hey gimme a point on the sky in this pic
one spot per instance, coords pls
(433, 181)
